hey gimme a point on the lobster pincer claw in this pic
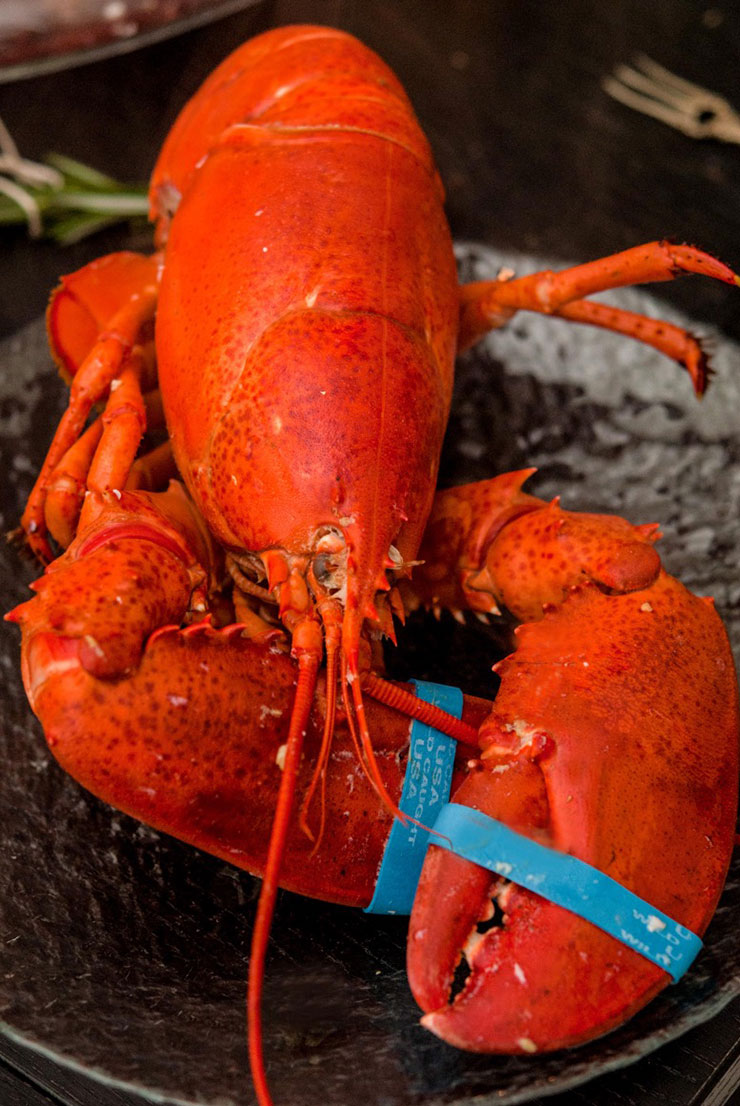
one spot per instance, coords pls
(157, 701)
(613, 739)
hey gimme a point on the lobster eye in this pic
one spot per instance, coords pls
(328, 540)
(324, 566)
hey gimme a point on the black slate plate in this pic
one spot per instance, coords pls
(124, 952)
(41, 37)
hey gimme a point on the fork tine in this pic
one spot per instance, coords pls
(672, 116)
(664, 76)
(689, 108)
(643, 83)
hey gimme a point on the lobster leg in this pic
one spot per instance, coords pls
(486, 305)
(153, 471)
(70, 479)
(98, 321)
(67, 484)
(613, 738)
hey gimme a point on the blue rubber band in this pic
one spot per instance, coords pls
(569, 882)
(426, 790)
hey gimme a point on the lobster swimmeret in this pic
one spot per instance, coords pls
(307, 318)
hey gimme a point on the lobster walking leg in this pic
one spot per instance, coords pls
(98, 322)
(153, 471)
(613, 738)
(90, 465)
(486, 305)
(67, 484)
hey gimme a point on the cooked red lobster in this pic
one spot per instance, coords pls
(207, 658)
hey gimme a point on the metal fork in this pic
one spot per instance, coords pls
(653, 90)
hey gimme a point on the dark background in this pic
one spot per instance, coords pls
(533, 153)
(535, 157)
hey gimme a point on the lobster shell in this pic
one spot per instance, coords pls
(361, 289)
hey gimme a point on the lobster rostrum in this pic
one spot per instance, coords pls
(203, 657)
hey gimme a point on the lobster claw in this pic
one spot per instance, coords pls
(613, 739)
(154, 699)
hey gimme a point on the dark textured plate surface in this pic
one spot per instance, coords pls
(124, 952)
(42, 36)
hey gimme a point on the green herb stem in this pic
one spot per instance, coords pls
(86, 202)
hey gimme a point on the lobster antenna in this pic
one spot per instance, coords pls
(330, 612)
(351, 724)
(308, 667)
(351, 679)
(319, 772)
(366, 754)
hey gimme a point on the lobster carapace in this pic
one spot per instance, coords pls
(295, 332)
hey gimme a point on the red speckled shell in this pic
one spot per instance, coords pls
(308, 317)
